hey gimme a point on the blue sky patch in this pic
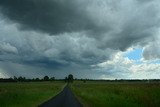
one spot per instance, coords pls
(135, 54)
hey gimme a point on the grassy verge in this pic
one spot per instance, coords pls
(103, 94)
(27, 94)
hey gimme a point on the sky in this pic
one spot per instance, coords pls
(97, 39)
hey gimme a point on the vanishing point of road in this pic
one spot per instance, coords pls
(64, 99)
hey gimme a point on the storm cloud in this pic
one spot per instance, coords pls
(51, 16)
(70, 34)
(118, 25)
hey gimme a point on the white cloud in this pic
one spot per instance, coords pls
(3, 74)
(122, 67)
(117, 60)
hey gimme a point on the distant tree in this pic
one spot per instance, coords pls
(70, 78)
(37, 79)
(21, 79)
(24, 78)
(15, 78)
(66, 79)
(46, 78)
(10, 78)
(33, 79)
(52, 78)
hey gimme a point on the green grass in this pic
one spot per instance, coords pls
(27, 94)
(105, 94)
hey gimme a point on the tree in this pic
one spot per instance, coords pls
(66, 79)
(70, 78)
(21, 79)
(37, 79)
(46, 78)
(52, 78)
(15, 78)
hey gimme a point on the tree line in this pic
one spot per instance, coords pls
(24, 79)
(45, 78)
(70, 79)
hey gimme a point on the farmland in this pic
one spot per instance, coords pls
(117, 94)
(89, 93)
(28, 94)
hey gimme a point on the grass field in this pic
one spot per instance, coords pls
(105, 94)
(29, 94)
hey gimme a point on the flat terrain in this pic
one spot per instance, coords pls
(90, 94)
(64, 99)
(28, 94)
(117, 94)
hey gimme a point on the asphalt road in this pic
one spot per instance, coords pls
(64, 99)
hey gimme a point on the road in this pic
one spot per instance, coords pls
(64, 99)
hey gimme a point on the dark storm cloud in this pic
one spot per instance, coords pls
(49, 51)
(131, 35)
(138, 25)
(75, 34)
(6, 48)
(152, 51)
(115, 25)
(51, 16)
(108, 26)
(45, 63)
